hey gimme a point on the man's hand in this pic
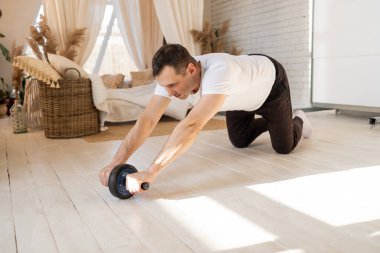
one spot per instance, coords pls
(134, 181)
(105, 173)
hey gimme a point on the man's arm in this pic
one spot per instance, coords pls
(180, 140)
(138, 134)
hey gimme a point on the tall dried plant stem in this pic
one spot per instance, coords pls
(74, 41)
(17, 74)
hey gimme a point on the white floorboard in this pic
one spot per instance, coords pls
(7, 231)
(323, 197)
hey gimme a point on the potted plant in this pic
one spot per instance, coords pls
(5, 89)
(3, 49)
(6, 101)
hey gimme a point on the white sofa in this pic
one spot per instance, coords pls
(126, 104)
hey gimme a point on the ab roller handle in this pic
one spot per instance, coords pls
(145, 186)
(117, 181)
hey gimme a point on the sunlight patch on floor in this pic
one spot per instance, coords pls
(215, 226)
(292, 251)
(337, 198)
(377, 233)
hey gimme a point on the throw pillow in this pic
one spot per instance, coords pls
(113, 81)
(61, 63)
(38, 69)
(141, 77)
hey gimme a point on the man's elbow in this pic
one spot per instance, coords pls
(193, 128)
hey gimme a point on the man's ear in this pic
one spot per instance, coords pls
(191, 68)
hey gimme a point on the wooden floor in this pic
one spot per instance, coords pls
(323, 197)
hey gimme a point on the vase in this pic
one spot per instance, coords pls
(18, 117)
(9, 103)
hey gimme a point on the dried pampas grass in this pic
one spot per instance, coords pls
(34, 46)
(42, 41)
(74, 41)
(212, 40)
(17, 73)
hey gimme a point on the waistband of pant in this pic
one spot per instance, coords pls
(276, 64)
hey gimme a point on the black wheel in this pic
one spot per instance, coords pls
(116, 181)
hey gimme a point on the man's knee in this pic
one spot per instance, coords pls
(282, 149)
(240, 143)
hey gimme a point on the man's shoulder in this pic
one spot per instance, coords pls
(215, 60)
(213, 56)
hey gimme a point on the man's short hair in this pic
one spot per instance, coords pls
(173, 55)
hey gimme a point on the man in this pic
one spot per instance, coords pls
(243, 86)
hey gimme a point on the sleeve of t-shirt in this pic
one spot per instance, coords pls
(161, 91)
(216, 80)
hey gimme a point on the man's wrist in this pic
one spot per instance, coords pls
(117, 161)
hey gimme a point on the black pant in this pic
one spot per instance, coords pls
(285, 132)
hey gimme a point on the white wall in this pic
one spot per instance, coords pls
(279, 28)
(18, 16)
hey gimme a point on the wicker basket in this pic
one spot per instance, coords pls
(69, 111)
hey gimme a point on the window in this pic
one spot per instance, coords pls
(110, 55)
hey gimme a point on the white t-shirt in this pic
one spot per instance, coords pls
(246, 80)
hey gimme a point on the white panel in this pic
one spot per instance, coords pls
(347, 81)
(346, 45)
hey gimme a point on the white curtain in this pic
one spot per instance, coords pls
(140, 29)
(65, 15)
(177, 18)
